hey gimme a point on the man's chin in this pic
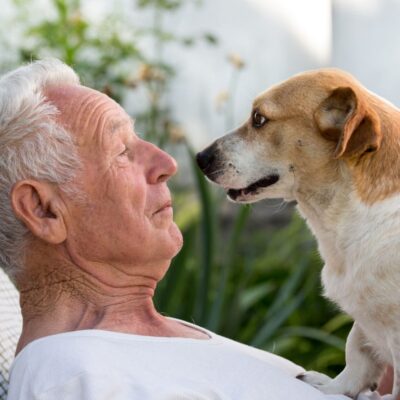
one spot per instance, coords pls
(177, 238)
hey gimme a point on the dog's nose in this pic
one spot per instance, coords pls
(204, 159)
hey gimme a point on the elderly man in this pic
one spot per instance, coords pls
(86, 233)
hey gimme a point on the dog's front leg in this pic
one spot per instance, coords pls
(362, 369)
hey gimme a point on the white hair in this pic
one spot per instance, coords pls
(32, 146)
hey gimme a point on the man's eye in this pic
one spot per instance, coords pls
(124, 153)
(258, 120)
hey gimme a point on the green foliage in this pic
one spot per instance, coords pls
(160, 4)
(258, 286)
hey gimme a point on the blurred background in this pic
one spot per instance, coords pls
(187, 70)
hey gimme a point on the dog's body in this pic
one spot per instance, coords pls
(323, 140)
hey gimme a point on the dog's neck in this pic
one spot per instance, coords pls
(323, 206)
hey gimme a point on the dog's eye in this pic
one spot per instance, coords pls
(258, 120)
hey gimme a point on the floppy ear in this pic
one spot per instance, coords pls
(343, 118)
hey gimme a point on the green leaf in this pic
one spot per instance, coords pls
(210, 38)
(214, 320)
(315, 334)
(254, 294)
(337, 322)
(276, 320)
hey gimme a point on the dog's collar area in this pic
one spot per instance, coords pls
(264, 182)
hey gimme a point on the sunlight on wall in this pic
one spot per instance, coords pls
(309, 20)
(360, 6)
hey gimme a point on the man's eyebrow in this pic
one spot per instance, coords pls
(117, 124)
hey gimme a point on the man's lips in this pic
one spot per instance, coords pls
(164, 207)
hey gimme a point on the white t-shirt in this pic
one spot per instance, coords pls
(100, 365)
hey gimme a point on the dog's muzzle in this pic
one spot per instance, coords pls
(213, 164)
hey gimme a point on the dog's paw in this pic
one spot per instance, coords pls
(327, 385)
(314, 378)
(369, 396)
(374, 396)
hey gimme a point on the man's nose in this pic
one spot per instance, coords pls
(161, 166)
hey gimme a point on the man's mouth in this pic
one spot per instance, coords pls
(166, 206)
(253, 188)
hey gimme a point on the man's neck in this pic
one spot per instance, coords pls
(67, 298)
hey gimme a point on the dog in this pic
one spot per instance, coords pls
(323, 140)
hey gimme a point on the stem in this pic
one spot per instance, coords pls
(230, 119)
(157, 89)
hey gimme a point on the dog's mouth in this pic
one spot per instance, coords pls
(253, 189)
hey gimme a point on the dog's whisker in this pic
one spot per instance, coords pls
(277, 207)
(282, 206)
(216, 172)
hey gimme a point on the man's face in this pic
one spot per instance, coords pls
(126, 218)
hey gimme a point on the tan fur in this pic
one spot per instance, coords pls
(295, 103)
(383, 167)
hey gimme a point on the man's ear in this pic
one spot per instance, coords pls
(38, 206)
(343, 118)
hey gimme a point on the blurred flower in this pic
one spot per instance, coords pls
(131, 81)
(76, 17)
(221, 99)
(176, 133)
(144, 72)
(236, 60)
(147, 72)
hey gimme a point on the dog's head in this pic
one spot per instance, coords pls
(297, 131)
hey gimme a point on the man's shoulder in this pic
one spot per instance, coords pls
(70, 353)
(62, 360)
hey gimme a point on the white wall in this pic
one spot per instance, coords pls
(276, 39)
(365, 42)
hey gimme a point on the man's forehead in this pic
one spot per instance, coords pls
(65, 93)
(76, 99)
(87, 112)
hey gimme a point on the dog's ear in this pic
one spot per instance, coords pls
(343, 118)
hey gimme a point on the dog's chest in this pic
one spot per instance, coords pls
(362, 255)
